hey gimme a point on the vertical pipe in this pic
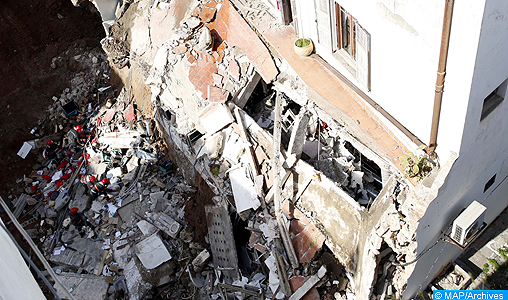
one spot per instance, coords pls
(441, 71)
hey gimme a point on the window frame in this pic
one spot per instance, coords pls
(339, 34)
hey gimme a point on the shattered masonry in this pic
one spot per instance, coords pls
(203, 96)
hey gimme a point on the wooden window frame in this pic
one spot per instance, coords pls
(339, 11)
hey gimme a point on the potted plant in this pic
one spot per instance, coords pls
(303, 46)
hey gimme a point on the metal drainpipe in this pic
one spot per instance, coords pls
(441, 70)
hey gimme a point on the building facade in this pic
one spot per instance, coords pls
(390, 50)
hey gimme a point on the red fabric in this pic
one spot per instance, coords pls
(46, 177)
(59, 183)
(62, 165)
(86, 155)
(65, 177)
(34, 187)
(99, 120)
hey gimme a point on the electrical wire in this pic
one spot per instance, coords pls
(417, 257)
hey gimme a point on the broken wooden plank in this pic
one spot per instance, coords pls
(276, 166)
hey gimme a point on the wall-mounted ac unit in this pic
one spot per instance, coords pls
(468, 223)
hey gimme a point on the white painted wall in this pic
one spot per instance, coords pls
(405, 43)
(403, 74)
(16, 280)
(484, 147)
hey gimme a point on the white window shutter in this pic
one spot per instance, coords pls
(323, 21)
(362, 56)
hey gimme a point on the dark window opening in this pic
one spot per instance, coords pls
(342, 163)
(193, 136)
(260, 105)
(241, 236)
(493, 100)
(489, 183)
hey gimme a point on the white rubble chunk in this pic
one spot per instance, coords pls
(193, 22)
(152, 252)
(120, 140)
(215, 117)
(146, 228)
(243, 190)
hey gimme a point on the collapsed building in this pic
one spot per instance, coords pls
(300, 158)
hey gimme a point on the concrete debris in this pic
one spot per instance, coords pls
(152, 252)
(243, 190)
(86, 287)
(215, 117)
(143, 226)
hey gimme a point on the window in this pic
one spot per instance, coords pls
(493, 100)
(340, 33)
(346, 34)
(489, 183)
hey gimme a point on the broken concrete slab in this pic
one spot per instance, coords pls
(136, 286)
(154, 197)
(67, 257)
(201, 261)
(132, 164)
(80, 198)
(83, 287)
(121, 140)
(214, 117)
(96, 168)
(243, 190)
(126, 213)
(299, 133)
(115, 172)
(152, 252)
(97, 206)
(311, 148)
(131, 176)
(146, 228)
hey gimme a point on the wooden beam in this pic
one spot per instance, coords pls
(277, 168)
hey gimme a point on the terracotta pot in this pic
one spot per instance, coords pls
(304, 51)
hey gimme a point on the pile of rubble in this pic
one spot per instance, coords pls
(134, 240)
(139, 239)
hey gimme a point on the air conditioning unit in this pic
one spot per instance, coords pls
(468, 223)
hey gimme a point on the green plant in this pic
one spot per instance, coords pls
(302, 42)
(215, 170)
(485, 268)
(416, 167)
(503, 252)
(494, 263)
(313, 242)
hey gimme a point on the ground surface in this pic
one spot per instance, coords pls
(32, 33)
